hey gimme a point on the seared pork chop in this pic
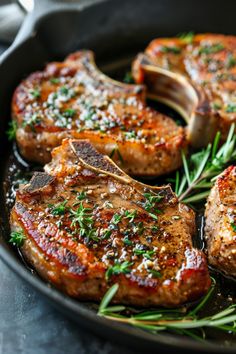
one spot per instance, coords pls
(197, 76)
(220, 229)
(88, 225)
(74, 99)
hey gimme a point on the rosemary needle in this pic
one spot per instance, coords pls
(193, 182)
(179, 321)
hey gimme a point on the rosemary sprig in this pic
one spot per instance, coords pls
(192, 184)
(179, 320)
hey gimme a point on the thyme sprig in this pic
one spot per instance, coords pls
(82, 217)
(192, 184)
(11, 131)
(181, 321)
(17, 238)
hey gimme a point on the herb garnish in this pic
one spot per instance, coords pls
(181, 321)
(118, 268)
(187, 37)
(81, 196)
(82, 217)
(64, 90)
(231, 62)
(106, 234)
(116, 219)
(11, 132)
(146, 254)
(233, 226)
(200, 170)
(172, 49)
(216, 105)
(155, 273)
(69, 113)
(131, 215)
(149, 205)
(58, 209)
(231, 108)
(35, 93)
(54, 80)
(127, 241)
(17, 238)
(32, 122)
(130, 135)
(211, 49)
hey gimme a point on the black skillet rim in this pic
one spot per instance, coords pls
(138, 338)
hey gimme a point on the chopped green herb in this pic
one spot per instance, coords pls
(81, 196)
(146, 254)
(32, 122)
(130, 135)
(82, 217)
(116, 219)
(118, 268)
(231, 108)
(59, 209)
(139, 228)
(59, 223)
(151, 200)
(69, 113)
(233, 226)
(106, 233)
(35, 93)
(155, 228)
(127, 241)
(172, 49)
(210, 49)
(231, 62)
(131, 215)
(216, 105)
(17, 238)
(64, 90)
(11, 132)
(55, 80)
(155, 273)
(187, 37)
(153, 216)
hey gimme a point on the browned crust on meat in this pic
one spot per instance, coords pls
(220, 215)
(208, 64)
(77, 265)
(75, 100)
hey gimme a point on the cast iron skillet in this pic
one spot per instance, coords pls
(115, 31)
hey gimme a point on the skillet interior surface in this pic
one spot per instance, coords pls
(115, 31)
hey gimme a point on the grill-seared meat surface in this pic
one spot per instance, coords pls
(73, 99)
(197, 76)
(88, 225)
(220, 229)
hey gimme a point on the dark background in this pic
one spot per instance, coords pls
(28, 324)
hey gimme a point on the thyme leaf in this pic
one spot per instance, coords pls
(17, 238)
(11, 132)
(118, 268)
